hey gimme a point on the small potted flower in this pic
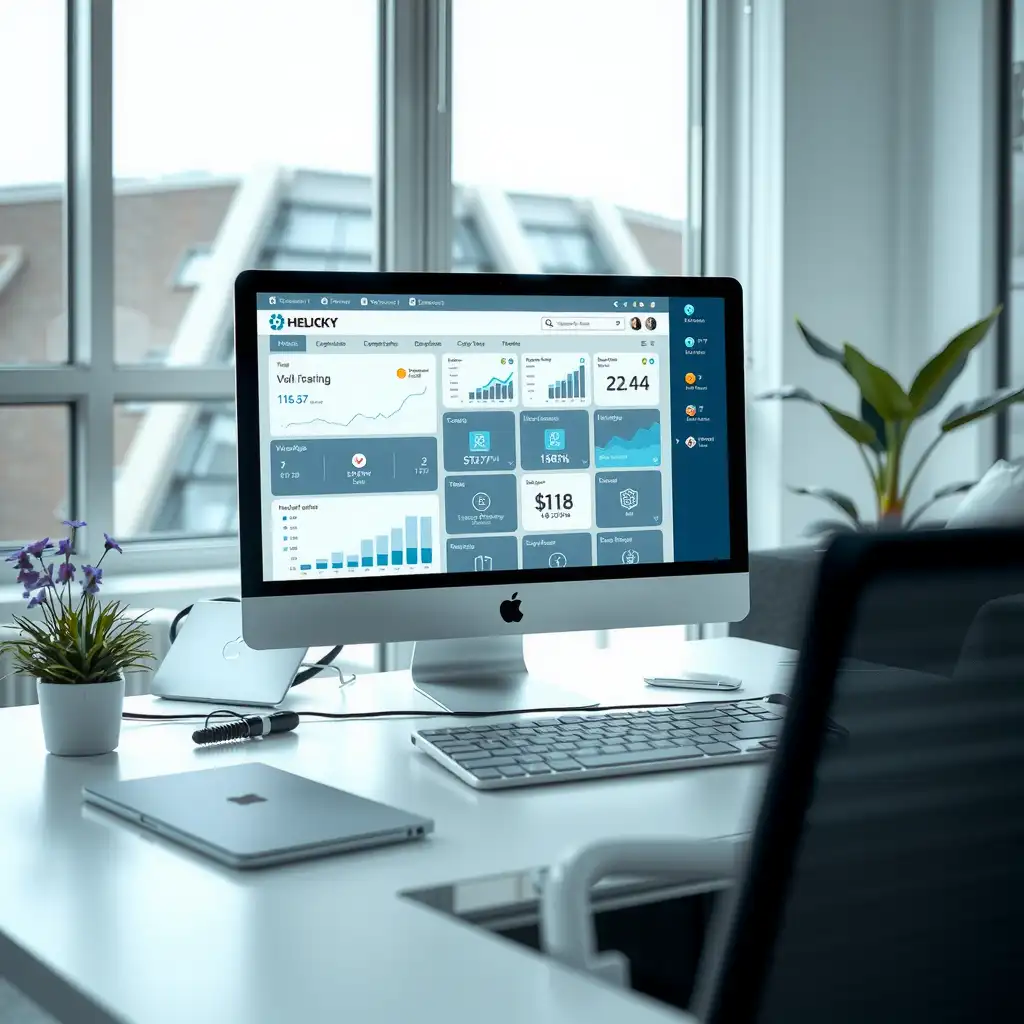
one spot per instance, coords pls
(78, 650)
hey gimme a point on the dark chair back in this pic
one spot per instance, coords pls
(886, 872)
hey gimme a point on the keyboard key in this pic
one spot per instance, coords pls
(512, 771)
(613, 748)
(716, 749)
(757, 730)
(525, 759)
(536, 748)
(488, 762)
(565, 766)
(537, 769)
(486, 773)
(638, 757)
(639, 746)
(454, 750)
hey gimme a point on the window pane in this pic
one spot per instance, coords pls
(591, 155)
(175, 469)
(220, 146)
(33, 327)
(35, 476)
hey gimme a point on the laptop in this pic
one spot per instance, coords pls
(210, 662)
(251, 815)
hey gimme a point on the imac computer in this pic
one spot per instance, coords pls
(459, 459)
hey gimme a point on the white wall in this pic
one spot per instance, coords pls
(884, 228)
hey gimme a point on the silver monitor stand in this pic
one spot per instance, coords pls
(485, 674)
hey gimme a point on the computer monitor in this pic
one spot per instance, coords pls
(459, 459)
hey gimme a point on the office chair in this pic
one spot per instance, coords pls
(884, 878)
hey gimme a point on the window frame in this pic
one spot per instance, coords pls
(413, 128)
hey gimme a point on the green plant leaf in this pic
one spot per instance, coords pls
(935, 378)
(877, 386)
(828, 528)
(869, 414)
(845, 505)
(968, 412)
(819, 347)
(860, 431)
(943, 492)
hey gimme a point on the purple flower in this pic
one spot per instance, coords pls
(28, 578)
(75, 524)
(21, 560)
(39, 547)
(92, 579)
(65, 572)
(64, 547)
(109, 543)
(37, 598)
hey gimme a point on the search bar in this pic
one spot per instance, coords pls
(583, 323)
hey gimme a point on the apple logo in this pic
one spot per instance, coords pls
(510, 611)
(232, 650)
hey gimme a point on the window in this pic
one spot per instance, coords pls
(133, 411)
(584, 167)
(32, 169)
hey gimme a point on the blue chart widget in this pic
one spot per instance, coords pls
(630, 548)
(352, 465)
(555, 440)
(480, 504)
(482, 554)
(627, 438)
(557, 551)
(628, 499)
(478, 442)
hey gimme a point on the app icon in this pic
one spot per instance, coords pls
(688, 309)
(691, 442)
(554, 440)
(359, 460)
(691, 410)
(363, 301)
(479, 440)
(691, 378)
(629, 498)
(690, 342)
(276, 322)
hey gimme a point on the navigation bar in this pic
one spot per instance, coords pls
(336, 302)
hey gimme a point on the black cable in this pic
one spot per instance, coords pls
(300, 677)
(420, 713)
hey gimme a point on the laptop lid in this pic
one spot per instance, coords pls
(209, 661)
(252, 814)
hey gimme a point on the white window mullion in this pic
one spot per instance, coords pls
(90, 255)
(414, 187)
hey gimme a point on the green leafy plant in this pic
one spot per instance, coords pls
(887, 414)
(79, 639)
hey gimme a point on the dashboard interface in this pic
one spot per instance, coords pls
(407, 434)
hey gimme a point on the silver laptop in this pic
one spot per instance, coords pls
(209, 661)
(251, 815)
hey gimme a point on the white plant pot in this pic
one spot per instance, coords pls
(81, 719)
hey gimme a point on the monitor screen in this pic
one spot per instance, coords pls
(411, 436)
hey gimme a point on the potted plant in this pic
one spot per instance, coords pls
(887, 414)
(78, 650)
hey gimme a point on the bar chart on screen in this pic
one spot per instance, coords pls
(557, 379)
(479, 381)
(355, 396)
(372, 535)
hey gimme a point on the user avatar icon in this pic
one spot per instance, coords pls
(691, 378)
(691, 410)
(689, 342)
(688, 309)
(691, 442)
(635, 323)
(650, 323)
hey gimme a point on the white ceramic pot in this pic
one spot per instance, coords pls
(81, 719)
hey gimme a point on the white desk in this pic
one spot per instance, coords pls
(99, 922)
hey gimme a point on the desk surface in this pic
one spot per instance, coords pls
(146, 932)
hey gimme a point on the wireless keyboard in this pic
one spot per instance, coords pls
(537, 749)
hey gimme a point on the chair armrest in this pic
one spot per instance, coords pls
(566, 924)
